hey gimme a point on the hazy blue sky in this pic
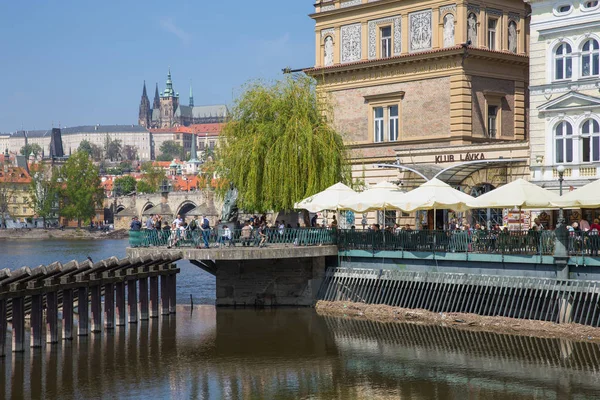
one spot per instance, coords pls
(84, 62)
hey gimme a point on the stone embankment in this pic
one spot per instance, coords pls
(65, 234)
(383, 313)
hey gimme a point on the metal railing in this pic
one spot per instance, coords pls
(237, 237)
(521, 242)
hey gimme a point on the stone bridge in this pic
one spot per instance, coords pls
(166, 204)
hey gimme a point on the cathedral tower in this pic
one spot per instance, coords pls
(145, 114)
(169, 101)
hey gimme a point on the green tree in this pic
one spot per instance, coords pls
(113, 149)
(126, 184)
(30, 149)
(169, 150)
(152, 178)
(278, 147)
(129, 152)
(81, 191)
(86, 146)
(44, 191)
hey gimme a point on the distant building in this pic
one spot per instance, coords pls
(167, 112)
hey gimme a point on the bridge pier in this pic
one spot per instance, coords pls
(96, 308)
(51, 317)
(83, 311)
(18, 324)
(132, 303)
(143, 295)
(172, 292)
(154, 297)
(120, 303)
(67, 326)
(109, 306)
(35, 322)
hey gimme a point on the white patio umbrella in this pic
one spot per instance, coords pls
(516, 194)
(380, 197)
(328, 199)
(434, 195)
(587, 196)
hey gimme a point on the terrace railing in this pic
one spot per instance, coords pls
(218, 237)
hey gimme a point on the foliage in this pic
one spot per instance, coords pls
(124, 185)
(113, 149)
(92, 149)
(169, 150)
(278, 147)
(85, 146)
(81, 191)
(30, 149)
(129, 152)
(152, 178)
(44, 191)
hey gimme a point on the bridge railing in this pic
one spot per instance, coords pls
(237, 237)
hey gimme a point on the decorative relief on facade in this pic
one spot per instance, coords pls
(350, 3)
(494, 12)
(472, 28)
(328, 51)
(420, 30)
(512, 36)
(515, 17)
(446, 9)
(397, 28)
(351, 42)
(449, 30)
(328, 32)
(473, 8)
(328, 7)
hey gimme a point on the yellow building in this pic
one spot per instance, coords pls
(436, 87)
(14, 196)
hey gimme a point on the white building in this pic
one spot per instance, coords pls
(564, 91)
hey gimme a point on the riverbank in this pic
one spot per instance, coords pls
(65, 234)
(383, 313)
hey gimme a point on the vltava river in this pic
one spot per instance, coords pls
(208, 353)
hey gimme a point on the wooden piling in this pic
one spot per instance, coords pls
(143, 299)
(3, 327)
(18, 324)
(120, 303)
(67, 325)
(96, 309)
(132, 301)
(51, 317)
(109, 306)
(164, 295)
(172, 293)
(154, 297)
(83, 311)
(35, 322)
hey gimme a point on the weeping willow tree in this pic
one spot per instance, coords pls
(278, 147)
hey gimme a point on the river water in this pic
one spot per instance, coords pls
(205, 353)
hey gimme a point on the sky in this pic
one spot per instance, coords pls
(83, 62)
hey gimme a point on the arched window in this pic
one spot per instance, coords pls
(563, 63)
(590, 141)
(563, 134)
(589, 58)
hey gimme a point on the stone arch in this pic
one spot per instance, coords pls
(147, 206)
(120, 208)
(185, 207)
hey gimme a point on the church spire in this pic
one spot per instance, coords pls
(191, 95)
(145, 112)
(144, 94)
(169, 89)
(194, 151)
(156, 104)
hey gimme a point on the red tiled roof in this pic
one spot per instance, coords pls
(14, 175)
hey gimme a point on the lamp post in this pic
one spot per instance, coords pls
(561, 171)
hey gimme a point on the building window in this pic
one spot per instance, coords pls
(563, 63)
(563, 9)
(211, 144)
(393, 123)
(386, 41)
(590, 5)
(492, 121)
(24, 210)
(378, 127)
(589, 58)
(492, 22)
(590, 141)
(564, 142)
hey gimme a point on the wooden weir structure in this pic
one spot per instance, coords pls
(125, 285)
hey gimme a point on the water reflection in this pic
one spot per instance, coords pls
(294, 353)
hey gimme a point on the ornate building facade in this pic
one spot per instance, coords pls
(167, 112)
(434, 87)
(565, 102)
